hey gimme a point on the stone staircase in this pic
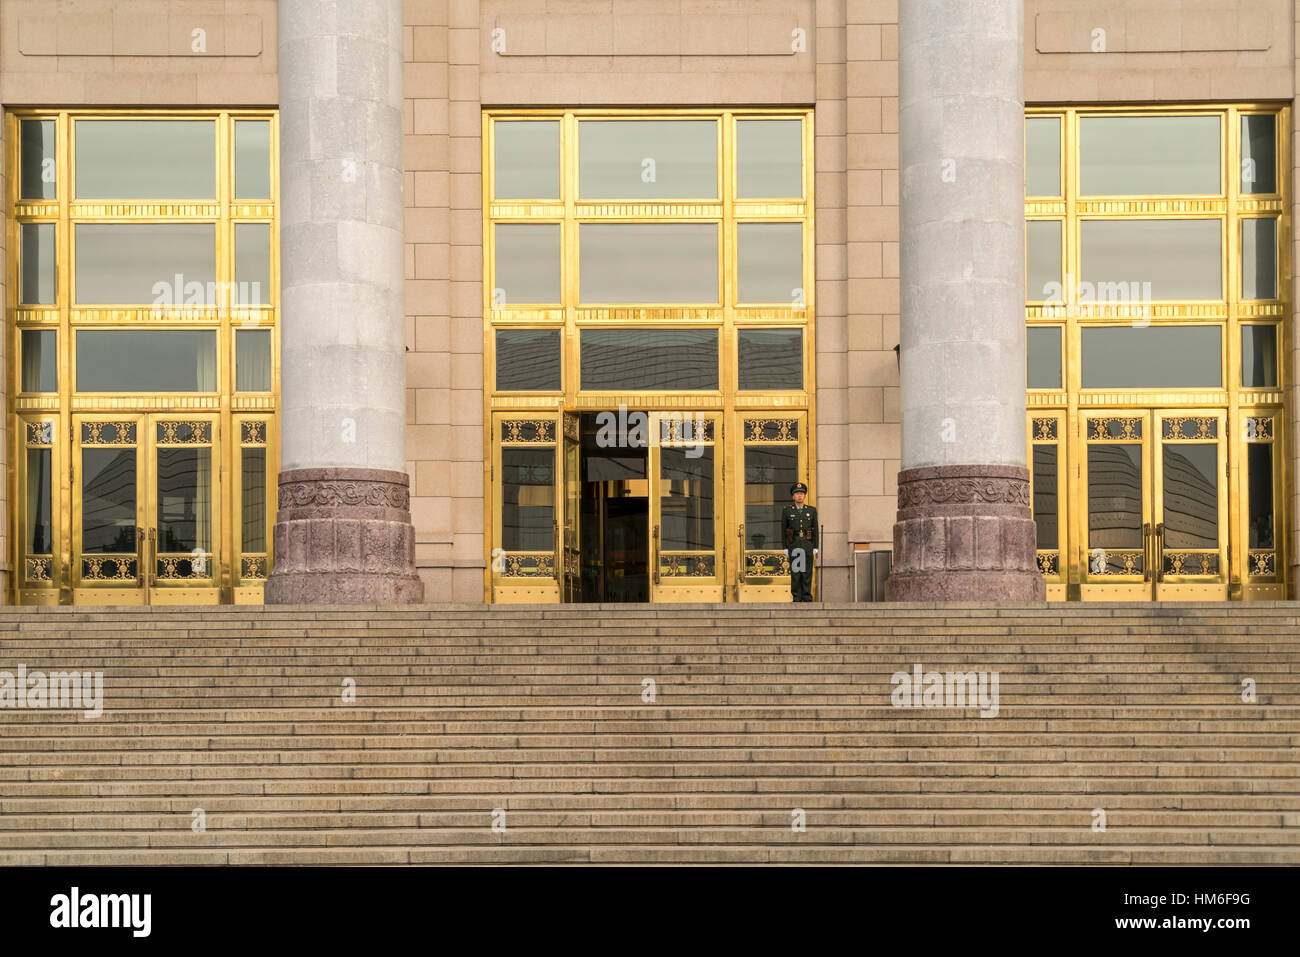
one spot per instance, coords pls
(462, 713)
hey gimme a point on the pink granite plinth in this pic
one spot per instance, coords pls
(343, 536)
(965, 533)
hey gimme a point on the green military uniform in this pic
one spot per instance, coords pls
(799, 529)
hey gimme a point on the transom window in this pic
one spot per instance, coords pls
(655, 246)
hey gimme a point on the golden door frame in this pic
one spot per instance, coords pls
(727, 404)
(731, 571)
(1247, 415)
(244, 420)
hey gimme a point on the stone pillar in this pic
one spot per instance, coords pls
(964, 529)
(343, 531)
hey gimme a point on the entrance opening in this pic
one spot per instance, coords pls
(615, 516)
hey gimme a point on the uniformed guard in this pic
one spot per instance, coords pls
(799, 526)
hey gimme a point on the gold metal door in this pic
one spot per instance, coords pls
(686, 542)
(1189, 544)
(527, 507)
(1154, 505)
(144, 510)
(569, 556)
(773, 452)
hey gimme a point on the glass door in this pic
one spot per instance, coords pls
(143, 515)
(1190, 538)
(181, 518)
(1156, 505)
(108, 510)
(685, 511)
(528, 505)
(774, 455)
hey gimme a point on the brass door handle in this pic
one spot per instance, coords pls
(1146, 552)
(655, 572)
(1159, 542)
(153, 555)
(141, 554)
(740, 533)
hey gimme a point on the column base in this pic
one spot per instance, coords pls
(343, 536)
(965, 533)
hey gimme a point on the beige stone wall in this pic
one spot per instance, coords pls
(871, 448)
(88, 52)
(1158, 50)
(444, 289)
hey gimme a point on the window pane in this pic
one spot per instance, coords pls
(1259, 464)
(769, 159)
(184, 490)
(526, 159)
(1152, 357)
(252, 159)
(140, 264)
(527, 264)
(1045, 496)
(528, 499)
(648, 262)
(1258, 155)
(1043, 260)
(686, 499)
(528, 360)
(1180, 258)
(146, 360)
(39, 534)
(1043, 156)
(252, 500)
(108, 486)
(1149, 155)
(1259, 357)
(770, 470)
(40, 369)
(38, 170)
(1115, 511)
(770, 359)
(619, 360)
(146, 159)
(1044, 348)
(38, 264)
(252, 360)
(252, 264)
(648, 159)
(1191, 495)
(771, 262)
(1259, 259)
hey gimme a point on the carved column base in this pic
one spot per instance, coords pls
(344, 537)
(965, 533)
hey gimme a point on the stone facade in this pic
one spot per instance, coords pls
(71, 53)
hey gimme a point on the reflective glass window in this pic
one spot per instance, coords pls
(526, 159)
(1149, 155)
(648, 263)
(146, 159)
(769, 159)
(162, 264)
(619, 360)
(648, 159)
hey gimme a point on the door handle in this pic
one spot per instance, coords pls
(141, 555)
(740, 533)
(1159, 541)
(655, 573)
(153, 555)
(1146, 551)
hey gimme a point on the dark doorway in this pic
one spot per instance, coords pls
(615, 513)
